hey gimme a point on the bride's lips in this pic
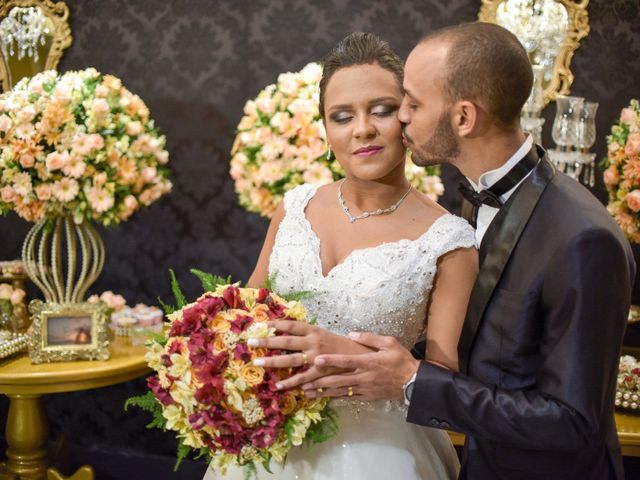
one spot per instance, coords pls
(368, 150)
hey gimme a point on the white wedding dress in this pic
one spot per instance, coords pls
(382, 289)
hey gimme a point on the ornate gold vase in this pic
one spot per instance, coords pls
(63, 258)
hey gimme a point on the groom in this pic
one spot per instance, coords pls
(540, 345)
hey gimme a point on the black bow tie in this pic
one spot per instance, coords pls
(491, 196)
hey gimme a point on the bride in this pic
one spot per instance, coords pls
(378, 256)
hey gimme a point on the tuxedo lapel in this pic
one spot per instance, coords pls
(496, 248)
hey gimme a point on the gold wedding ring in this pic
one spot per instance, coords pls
(319, 389)
(349, 391)
(305, 359)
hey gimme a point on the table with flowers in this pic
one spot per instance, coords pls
(25, 384)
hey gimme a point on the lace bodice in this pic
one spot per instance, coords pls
(382, 289)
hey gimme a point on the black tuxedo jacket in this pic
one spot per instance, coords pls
(540, 345)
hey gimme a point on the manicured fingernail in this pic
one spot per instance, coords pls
(354, 335)
(259, 362)
(253, 342)
(279, 386)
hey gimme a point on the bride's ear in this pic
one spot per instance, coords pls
(465, 118)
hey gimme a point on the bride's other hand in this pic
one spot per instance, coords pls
(373, 375)
(307, 342)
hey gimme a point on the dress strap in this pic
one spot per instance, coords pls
(295, 200)
(448, 233)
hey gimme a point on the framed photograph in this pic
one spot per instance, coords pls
(62, 332)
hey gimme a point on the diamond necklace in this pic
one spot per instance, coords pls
(379, 211)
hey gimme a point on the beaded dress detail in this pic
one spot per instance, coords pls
(382, 289)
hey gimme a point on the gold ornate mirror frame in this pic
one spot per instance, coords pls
(578, 27)
(58, 14)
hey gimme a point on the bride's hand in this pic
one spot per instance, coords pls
(308, 341)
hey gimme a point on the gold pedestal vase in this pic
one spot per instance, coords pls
(63, 258)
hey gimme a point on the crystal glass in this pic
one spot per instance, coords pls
(565, 125)
(535, 102)
(586, 126)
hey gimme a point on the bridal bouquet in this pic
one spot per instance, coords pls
(207, 389)
(78, 144)
(622, 171)
(281, 143)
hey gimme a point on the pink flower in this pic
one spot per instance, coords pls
(27, 160)
(134, 128)
(8, 194)
(628, 116)
(611, 176)
(17, 296)
(102, 91)
(65, 189)
(163, 157)
(100, 199)
(633, 200)
(56, 160)
(100, 106)
(149, 174)
(632, 146)
(75, 167)
(43, 191)
(99, 179)
(5, 123)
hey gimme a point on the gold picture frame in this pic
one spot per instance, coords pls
(62, 332)
(58, 13)
(578, 27)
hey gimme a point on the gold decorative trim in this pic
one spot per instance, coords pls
(95, 348)
(58, 13)
(578, 28)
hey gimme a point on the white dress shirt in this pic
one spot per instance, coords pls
(486, 214)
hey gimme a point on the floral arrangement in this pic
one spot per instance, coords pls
(78, 144)
(628, 385)
(281, 143)
(207, 389)
(10, 298)
(622, 171)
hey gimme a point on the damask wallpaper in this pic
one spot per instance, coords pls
(195, 63)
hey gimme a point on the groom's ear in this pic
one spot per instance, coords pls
(465, 118)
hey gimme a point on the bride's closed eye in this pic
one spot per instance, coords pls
(381, 111)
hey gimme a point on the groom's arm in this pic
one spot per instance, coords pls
(584, 303)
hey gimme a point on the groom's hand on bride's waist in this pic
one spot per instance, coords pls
(304, 342)
(380, 374)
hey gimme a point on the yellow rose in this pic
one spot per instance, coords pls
(288, 403)
(251, 374)
(220, 323)
(257, 352)
(218, 343)
(260, 313)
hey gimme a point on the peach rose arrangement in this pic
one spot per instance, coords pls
(207, 390)
(622, 171)
(78, 144)
(281, 143)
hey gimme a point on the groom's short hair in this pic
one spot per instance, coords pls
(487, 63)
